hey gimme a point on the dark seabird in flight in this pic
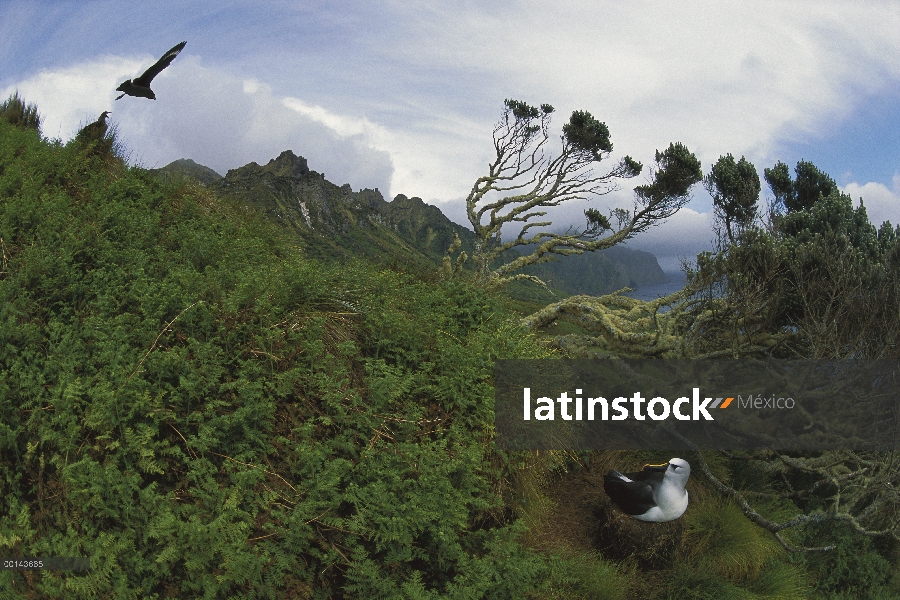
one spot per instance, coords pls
(141, 85)
(656, 493)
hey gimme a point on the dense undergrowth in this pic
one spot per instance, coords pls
(188, 401)
(205, 413)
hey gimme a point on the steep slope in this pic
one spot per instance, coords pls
(189, 403)
(335, 222)
(598, 273)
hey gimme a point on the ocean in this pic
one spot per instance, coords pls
(655, 290)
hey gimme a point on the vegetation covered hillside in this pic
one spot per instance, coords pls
(187, 167)
(204, 412)
(333, 221)
(600, 272)
(203, 409)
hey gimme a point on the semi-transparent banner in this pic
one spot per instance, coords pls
(714, 404)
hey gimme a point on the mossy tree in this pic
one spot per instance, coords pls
(523, 181)
(816, 280)
(819, 281)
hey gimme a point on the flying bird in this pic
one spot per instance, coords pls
(656, 493)
(141, 85)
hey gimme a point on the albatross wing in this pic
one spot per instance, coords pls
(630, 492)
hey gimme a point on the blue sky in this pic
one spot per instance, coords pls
(403, 96)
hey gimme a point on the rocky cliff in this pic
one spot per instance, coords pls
(602, 272)
(335, 222)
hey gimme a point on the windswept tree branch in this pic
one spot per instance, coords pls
(883, 494)
(523, 180)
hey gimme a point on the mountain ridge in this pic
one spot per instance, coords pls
(335, 222)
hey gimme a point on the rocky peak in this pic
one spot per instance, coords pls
(334, 221)
(287, 165)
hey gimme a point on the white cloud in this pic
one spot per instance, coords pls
(404, 96)
(342, 125)
(68, 98)
(200, 113)
(224, 122)
(424, 158)
(685, 234)
(882, 203)
(719, 77)
(251, 86)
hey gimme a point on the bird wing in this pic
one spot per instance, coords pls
(647, 475)
(161, 64)
(633, 497)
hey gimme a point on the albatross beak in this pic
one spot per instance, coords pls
(661, 467)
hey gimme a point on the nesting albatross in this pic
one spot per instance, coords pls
(656, 493)
(141, 86)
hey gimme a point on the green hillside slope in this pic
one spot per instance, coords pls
(202, 411)
(188, 168)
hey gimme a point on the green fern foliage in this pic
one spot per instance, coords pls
(203, 412)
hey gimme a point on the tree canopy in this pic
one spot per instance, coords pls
(800, 193)
(734, 187)
(524, 180)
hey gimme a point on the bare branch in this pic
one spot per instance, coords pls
(776, 528)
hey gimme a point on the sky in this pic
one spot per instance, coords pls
(404, 96)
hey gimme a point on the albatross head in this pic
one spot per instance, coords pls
(675, 471)
(678, 471)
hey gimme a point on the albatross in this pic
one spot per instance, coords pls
(655, 494)
(141, 86)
